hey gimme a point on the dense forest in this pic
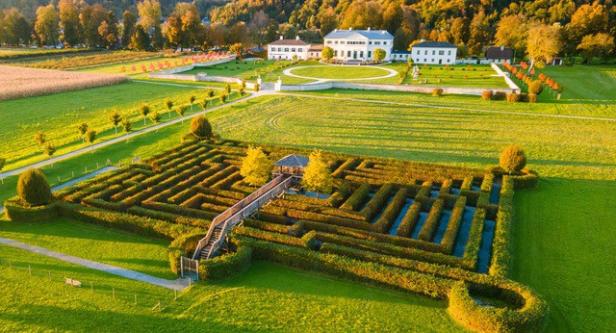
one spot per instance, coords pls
(540, 29)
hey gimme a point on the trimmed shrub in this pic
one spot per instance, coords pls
(512, 159)
(532, 98)
(33, 189)
(437, 92)
(486, 95)
(200, 128)
(512, 97)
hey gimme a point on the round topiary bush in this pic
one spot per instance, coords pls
(200, 127)
(33, 189)
(512, 159)
(486, 95)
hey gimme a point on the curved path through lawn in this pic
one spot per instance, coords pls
(179, 284)
(335, 68)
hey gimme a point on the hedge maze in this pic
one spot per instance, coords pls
(429, 229)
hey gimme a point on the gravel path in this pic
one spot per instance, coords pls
(179, 284)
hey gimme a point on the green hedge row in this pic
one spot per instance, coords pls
(449, 238)
(429, 227)
(471, 251)
(349, 163)
(501, 257)
(390, 249)
(183, 246)
(343, 192)
(173, 209)
(351, 269)
(128, 222)
(528, 316)
(17, 212)
(376, 203)
(341, 221)
(359, 196)
(409, 220)
(169, 217)
(383, 224)
(226, 265)
(371, 236)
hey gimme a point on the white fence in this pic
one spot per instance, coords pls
(506, 77)
(426, 89)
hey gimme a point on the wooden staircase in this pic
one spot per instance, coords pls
(209, 246)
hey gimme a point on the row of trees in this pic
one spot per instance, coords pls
(565, 26)
(76, 23)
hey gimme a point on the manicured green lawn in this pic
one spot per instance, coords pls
(432, 134)
(58, 115)
(564, 245)
(329, 72)
(268, 298)
(139, 147)
(94, 242)
(269, 70)
(589, 83)
(476, 76)
(564, 232)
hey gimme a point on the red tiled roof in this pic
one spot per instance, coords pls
(288, 42)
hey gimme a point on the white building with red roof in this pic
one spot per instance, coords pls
(287, 49)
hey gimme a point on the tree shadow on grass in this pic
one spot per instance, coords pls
(273, 276)
(67, 229)
(56, 318)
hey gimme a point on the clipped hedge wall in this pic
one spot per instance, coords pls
(529, 317)
(18, 213)
(501, 256)
(226, 265)
(138, 224)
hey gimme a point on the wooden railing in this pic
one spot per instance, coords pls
(242, 209)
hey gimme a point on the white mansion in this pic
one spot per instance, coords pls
(359, 46)
(348, 45)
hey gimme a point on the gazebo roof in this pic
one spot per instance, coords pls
(293, 161)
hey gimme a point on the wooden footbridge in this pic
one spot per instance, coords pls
(209, 245)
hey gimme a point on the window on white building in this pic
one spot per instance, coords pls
(449, 52)
(369, 54)
(292, 49)
(441, 52)
(348, 54)
(433, 52)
